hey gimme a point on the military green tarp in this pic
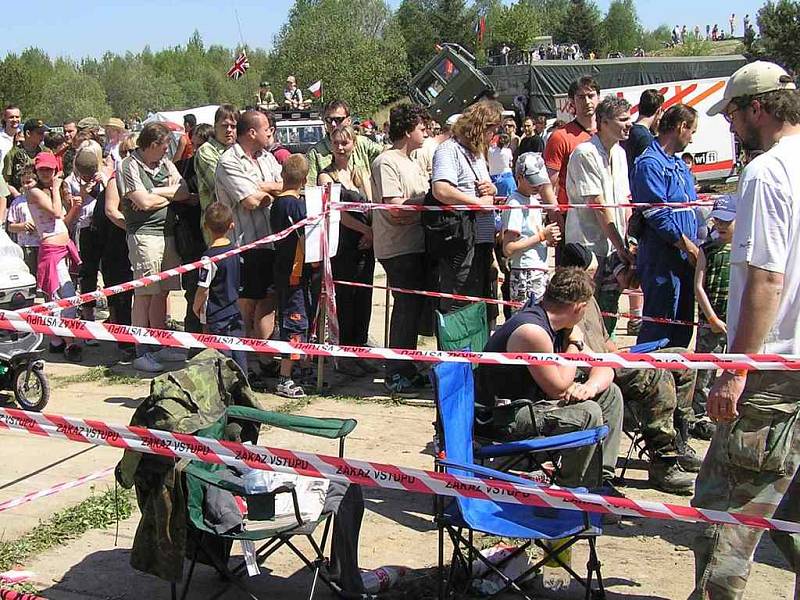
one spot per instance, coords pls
(541, 81)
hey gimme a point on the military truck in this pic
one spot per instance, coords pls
(451, 81)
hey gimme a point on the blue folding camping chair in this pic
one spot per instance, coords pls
(460, 517)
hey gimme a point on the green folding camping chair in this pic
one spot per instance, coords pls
(271, 531)
(464, 328)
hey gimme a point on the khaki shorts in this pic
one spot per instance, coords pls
(151, 254)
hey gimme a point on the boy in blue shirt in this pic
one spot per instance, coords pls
(292, 274)
(216, 303)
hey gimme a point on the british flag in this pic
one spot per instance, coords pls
(239, 66)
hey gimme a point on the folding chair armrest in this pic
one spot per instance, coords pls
(212, 478)
(563, 441)
(487, 472)
(649, 346)
(500, 475)
(316, 426)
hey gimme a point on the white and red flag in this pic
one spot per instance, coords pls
(240, 65)
(316, 89)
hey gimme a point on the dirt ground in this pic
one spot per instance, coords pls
(641, 558)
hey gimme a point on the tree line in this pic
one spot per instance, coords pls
(361, 49)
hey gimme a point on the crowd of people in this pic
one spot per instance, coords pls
(713, 33)
(125, 205)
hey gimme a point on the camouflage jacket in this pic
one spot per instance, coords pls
(184, 401)
(15, 162)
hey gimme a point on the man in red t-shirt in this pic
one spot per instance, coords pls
(585, 95)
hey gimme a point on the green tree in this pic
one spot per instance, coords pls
(516, 25)
(355, 46)
(425, 23)
(552, 14)
(581, 26)
(22, 79)
(657, 38)
(779, 28)
(622, 31)
(70, 94)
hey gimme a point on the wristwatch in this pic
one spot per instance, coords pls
(577, 343)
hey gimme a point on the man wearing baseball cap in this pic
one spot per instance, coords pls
(751, 466)
(21, 156)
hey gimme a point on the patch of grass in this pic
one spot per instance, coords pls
(99, 373)
(96, 512)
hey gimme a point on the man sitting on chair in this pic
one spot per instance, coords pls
(518, 402)
(661, 399)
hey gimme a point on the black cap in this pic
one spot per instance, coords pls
(32, 124)
(576, 255)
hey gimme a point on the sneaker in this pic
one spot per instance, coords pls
(289, 389)
(148, 364)
(667, 475)
(401, 386)
(168, 354)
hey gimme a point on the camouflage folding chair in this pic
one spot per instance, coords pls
(273, 532)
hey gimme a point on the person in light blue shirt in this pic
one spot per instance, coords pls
(525, 238)
(667, 243)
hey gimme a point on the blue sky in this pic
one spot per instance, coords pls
(77, 29)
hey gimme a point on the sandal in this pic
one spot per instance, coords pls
(289, 389)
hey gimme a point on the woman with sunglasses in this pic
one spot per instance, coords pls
(460, 176)
(337, 114)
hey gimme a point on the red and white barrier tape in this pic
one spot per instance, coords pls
(372, 474)
(513, 304)
(19, 501)
(149, 279)
(364, 207)
(75, 328)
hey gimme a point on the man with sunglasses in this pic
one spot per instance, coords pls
(337, 114)
(751, 467)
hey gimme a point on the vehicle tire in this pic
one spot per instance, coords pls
(35, 395)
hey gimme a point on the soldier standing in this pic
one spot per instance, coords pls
(755, 452)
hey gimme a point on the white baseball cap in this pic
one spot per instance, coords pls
(724, 208)
(451, 120)
(755, 78)
(530, 165)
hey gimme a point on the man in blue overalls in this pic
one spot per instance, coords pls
(667, 251)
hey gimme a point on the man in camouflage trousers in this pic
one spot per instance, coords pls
(752, 464)
(662, 401)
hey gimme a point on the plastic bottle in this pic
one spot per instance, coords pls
(382, 578)
(555, 577)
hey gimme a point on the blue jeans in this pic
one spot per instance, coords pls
(233, 327)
